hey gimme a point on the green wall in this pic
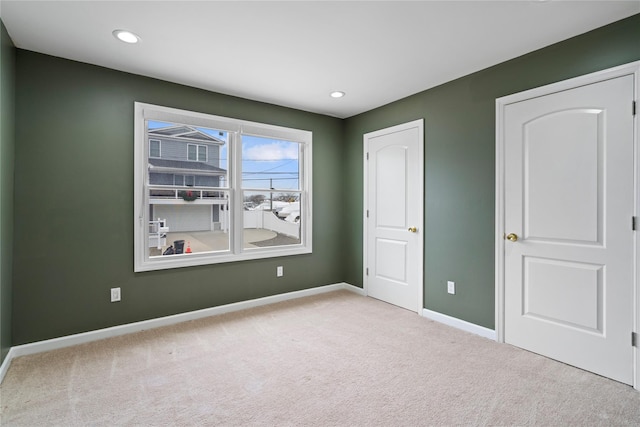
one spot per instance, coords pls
(7, 145)
(73, 209)
(460, 163)
(74, 203)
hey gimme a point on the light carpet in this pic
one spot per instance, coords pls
(336, 359)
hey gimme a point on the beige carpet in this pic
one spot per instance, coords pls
(336, 359)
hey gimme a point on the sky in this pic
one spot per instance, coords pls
(265, 161)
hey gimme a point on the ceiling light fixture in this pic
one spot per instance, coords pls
(337, 94)
(126, 36)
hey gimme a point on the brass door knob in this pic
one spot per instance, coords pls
(413, 229)
(512, 237)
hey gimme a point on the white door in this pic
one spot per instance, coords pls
(394, 202)
(569, 201)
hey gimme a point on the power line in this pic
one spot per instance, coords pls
(261, 160)
(270, 173)
(266, 179)
(279, 166)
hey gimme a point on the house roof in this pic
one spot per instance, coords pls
(184, 132)
(181, 166)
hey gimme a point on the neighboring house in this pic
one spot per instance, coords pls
(185, 160)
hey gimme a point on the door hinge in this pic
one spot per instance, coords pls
(367, 272)
(633, 108)
(633, 223)
(367, 156)
(634, 339)
(367, 213)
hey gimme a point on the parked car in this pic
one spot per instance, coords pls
(274, 206)
(293, 217)
(286, 211)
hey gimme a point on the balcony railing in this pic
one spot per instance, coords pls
(186, 193)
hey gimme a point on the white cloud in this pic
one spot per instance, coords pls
(273, 151)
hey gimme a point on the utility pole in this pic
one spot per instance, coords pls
(271, 194)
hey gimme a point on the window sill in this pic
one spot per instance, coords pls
(190, 260)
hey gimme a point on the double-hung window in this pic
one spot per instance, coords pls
(223, 190)
(197, 153)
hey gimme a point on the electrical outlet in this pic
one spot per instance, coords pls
(279, 271)
(115, 294)
(451, 287)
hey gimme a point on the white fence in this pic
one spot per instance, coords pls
(269, 221)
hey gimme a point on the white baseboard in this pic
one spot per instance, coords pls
(460, 324)
(354, 289)
(6, 363)
(70, 340)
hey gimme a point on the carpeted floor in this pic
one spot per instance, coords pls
(336, 359)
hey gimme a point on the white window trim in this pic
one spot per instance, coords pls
(236, 128)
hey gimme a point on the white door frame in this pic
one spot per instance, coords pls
(501, 103)
(365, 238)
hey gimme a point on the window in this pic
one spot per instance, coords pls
(154, 148)
(197, 153)
(192, 153)
(224, 190)
(182, 180)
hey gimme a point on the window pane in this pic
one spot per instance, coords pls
(271, 219)
(188, 222)
(270, 163)
(203, 163)
(188, 215)
(191, 152)
(154, 148)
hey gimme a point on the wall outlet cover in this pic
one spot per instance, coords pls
(115, 294)
(451, 287)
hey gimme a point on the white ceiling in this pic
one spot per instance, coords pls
(294, 53)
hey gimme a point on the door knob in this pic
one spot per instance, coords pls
(413, 229)
(512, 237)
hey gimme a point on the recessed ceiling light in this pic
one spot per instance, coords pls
(126, 36)
(337, 94)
